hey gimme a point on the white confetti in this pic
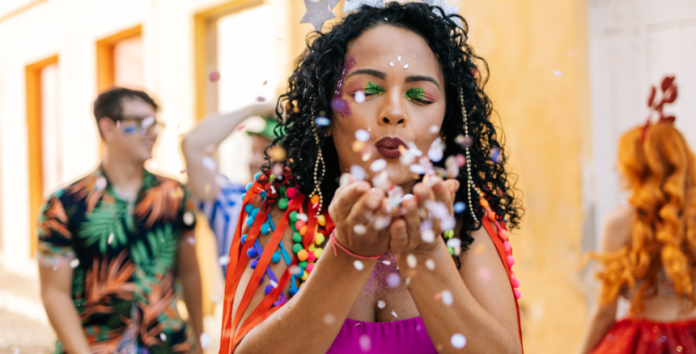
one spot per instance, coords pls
(74, 263)
(302, 217)
(447, 298)
(378, 165)
(329, 319)
(411, 261)
(204, 340)
(100, 183)
(386, 262)
(274, 284)
(365, 343)
(362, 135)
(454, 242)
(558, 73)
(406, 66)
(417, 169)
(434, 129)
(323, 121)
(191, 240)
(360, 97)
(391, 63)
(359, 229)
(458, 341)
(408, 196)
(110, 239)
(408, 281)
(295, 270)
(430, 264)
(381, 304)
(189, 218)
(428, 236)
(358, 265)
(413, 149)
(394, 314)
(224, 260)
(209, 163)
(366, 156)
(163, 337)
(406, 158)
(393, 280)
(358, 172)
(398, 58)
(147, 122)
(435, 155)
(221, 180)
(484, 274)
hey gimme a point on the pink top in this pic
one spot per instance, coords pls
(402, 337)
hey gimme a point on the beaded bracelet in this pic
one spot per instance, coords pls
(333, 240)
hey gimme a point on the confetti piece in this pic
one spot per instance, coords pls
(455, 244)
(362, 135)
(365, 343)
(214, 76)
(295, 270)
(406, 66)
(277, 153)
(277, 169)
(558, 73)
(495, 155)
(329, 319)
(398, 58)
(209, 163)
(261, 99)
(378, 165)
(572, 52)
(265, 82)
(458, 341)
(189, 218)
(147, 122)
(100, 183)
(360, 97)
(435, 155)
(381, 304)
(386, 262)
(411, 261)
(428, 236)
(414, 150)
(447, 298)
(163, 337)
(366, 156)
(382, 181)
(358, 265)
(484, 274)
(110, 239)
(191, 240)
(417, 169)
(322, 121)
(430, 264)
(204, 340)
(303, 217)
(358, 146)
(394, 314)
(183, 171)
(459, 207)
(479, 249)
(391, 63)
(393, 280)
(224, 260)
(74, 263)
(358, 172)
(434, 129)
(408, 196)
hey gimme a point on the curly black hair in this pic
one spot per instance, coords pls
(311, 89)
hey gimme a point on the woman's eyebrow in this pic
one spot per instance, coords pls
(422, 78)
(376, 73)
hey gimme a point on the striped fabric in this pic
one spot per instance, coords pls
(222, 214)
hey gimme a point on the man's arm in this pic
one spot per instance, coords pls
(211, 132)
(57, 299)
(190, 279)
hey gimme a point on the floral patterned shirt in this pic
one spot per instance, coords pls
(123, 256)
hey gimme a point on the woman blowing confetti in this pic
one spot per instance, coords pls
(649, 248)
(350, 240)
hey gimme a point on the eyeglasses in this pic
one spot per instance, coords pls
(142, 125)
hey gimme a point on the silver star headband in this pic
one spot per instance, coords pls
(319, 11)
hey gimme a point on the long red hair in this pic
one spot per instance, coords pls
(660, 167)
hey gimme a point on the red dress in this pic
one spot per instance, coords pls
(641, 336)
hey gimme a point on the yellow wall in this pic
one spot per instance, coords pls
(546, 120)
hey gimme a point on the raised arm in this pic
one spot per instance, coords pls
(210, 133)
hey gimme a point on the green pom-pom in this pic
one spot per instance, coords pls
(303, 265)
(451, 251)
(296, 237)
(283, 203)
(293, 217)
(297, 248)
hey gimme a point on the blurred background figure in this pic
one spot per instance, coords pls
(649, 246)
(113, 245)
(220, 199)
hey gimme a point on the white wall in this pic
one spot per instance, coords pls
(633, 44)
(71, 28)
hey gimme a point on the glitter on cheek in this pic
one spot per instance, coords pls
(338, 103)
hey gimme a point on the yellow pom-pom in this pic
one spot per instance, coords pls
(315, 199)
(311, 247)
(317, 252)
(319, 239)
(321, 220)
(302, 255)
(304, 276)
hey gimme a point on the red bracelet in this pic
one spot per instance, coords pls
(333, 240)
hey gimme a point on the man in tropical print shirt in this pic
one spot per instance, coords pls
(115, 245)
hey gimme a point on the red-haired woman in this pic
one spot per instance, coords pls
(648, 251)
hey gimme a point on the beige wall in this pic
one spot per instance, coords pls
(546, 122)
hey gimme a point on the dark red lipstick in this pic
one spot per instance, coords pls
(388, 147)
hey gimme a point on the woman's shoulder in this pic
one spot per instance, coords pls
(616, 228)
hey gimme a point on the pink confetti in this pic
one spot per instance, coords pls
(393, 280)
(365, 343)
(214, 76)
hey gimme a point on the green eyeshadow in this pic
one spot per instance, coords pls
(373, 89)
(415, 94)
